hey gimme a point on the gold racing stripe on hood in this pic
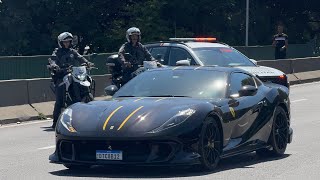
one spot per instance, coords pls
(109, 117)
(122, 124)
(161, 99)
(138, 99)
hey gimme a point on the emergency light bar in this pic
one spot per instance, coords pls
(193, 39)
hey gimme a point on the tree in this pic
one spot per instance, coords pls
(30, 27)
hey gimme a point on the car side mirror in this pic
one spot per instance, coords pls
(254, 61)
(183, 63)
(248, 90)
(111, 90)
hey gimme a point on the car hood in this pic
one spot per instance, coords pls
(262, 71)
(130, 117)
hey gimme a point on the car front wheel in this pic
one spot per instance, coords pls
(210, 144)
(279, 135)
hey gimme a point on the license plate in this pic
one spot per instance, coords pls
(109, 155)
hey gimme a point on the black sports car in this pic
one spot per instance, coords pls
(177, 116)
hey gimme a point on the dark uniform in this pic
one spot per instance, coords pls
(280, 40)
(139, 53)
(58, 61)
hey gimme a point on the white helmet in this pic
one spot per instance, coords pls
(131, 31)
(65, 36)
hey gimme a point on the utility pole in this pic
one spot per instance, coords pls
(247, 23)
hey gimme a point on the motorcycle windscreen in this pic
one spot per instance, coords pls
(79, 72)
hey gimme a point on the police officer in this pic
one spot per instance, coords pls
(60, 59)
(138, 53)
(280, 42)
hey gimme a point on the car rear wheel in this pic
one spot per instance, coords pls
(210, 144)
(76, 167)
(279, 135)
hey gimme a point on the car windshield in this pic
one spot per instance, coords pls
(222, 56)
(176, 83)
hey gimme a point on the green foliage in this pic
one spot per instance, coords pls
(30, 27)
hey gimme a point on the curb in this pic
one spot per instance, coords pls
(18, 121)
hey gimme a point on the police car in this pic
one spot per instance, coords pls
(210, 52)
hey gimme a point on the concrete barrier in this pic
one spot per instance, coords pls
(305, 64)
(13, 92)
(283, 65)
(39, 90)
(33, 99)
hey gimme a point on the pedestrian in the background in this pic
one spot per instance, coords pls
(280, 42)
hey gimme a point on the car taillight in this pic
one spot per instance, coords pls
(283, 79)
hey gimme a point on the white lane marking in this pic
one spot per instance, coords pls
(24, 124)
(298, 100)
(48, 147)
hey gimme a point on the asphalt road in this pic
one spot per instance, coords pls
(24, 151)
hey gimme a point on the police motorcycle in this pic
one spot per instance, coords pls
(120, 76)
(78, 78)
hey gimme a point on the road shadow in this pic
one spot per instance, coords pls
(241, 161)
(48, 129)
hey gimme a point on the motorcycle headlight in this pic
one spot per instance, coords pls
(81, 77)
(66, 119)
(177, 119)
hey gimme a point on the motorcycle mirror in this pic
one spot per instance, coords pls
(111, 90)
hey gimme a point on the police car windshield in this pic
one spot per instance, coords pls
(221, 56)
(176, 83)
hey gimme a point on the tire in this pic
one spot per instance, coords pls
(279, 135)
(77, 167)
(210, 146)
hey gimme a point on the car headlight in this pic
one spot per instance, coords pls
(66, 119)
(177, 119)
(81, 77)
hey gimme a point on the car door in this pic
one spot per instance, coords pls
(245, 110)
(177, 54)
